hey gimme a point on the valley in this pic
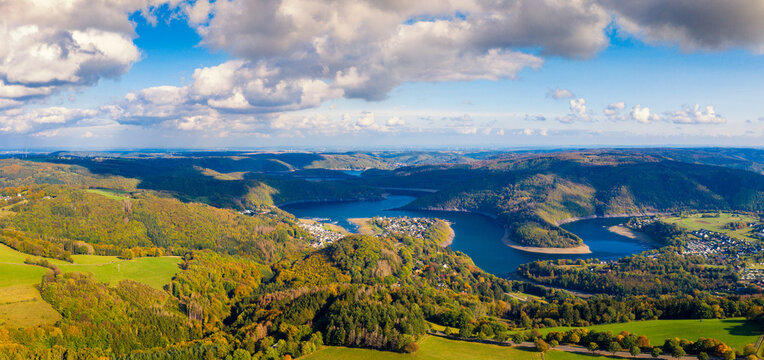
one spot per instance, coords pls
(197, 258)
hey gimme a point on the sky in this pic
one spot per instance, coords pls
(248, 74)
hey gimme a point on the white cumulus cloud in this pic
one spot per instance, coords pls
(560, 94)
(696, 115)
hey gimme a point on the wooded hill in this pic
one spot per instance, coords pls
(81, 221)
(533, 194)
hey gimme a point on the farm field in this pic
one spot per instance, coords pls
(734, 332)
(111, 194)
(433, 347)
(716, 223)
(152, 271)
(22, 306)
(20, 301)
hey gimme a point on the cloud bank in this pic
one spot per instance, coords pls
(291, 55)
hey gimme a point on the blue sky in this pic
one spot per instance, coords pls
(218, 79)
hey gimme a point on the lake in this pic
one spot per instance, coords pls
(477, 235)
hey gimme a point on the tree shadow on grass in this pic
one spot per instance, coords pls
(739, 327)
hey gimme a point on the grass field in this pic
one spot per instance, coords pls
(111, 194)
(444, 329)
(525, 297)
(433, 347)
(6, 209)
(20, 301)
(152, 271)
(20, 274)
(697, 222)
(22, 306)
(734, 332)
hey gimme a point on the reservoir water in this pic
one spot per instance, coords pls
(477, 235)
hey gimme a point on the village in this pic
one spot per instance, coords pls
(414, 227)
(321, 235)
(726, 250)
(711, 244)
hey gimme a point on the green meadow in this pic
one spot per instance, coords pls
(20, 301)
(715, 222)
(433, 347)
(734, 332)
(152, 271)
(111, 194)
(22, 306)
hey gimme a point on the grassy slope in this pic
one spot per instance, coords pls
(432, 347)
(152, 271)
(20, 301)
(155, 272)
(111, 194)
(20, 274)
(696, 222)
(734, 332)
(22, 306)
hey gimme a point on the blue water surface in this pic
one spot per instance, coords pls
(477, 235)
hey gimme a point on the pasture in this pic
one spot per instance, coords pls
(111, 194)
(433, 347)
(20, 301)
(714, 222)
(22, 306)
(733, 332)
(152, 271)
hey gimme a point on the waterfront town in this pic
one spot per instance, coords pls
(414, 227)
(322, 236)
(325, 233)
(711, 244)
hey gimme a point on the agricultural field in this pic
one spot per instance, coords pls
(152, 271)
(20, 274)
(433, 347)
(6, 209)
(525, 297)
(734, 332)
(714, 222)
(20, 301)
(111, 194)
(444, 329)
(22, 306)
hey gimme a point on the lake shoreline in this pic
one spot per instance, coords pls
(634, 235)
(365, 229)
(492, 216)
(609, 216)
(451, 235)
(324, 201)
(576, 250)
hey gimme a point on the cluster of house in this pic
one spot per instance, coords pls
(321, 235)
(753, 276)
(10, 197)
(264, 210)
(758, 229)
(711, 244)
(414, 227)
(638, 222)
